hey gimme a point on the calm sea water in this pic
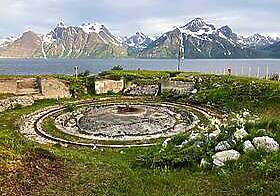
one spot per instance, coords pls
(251, 67)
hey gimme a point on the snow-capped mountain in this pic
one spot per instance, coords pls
(137, 43)
(201, 40)
(26, 46)
(273, 50)
(85, 41)
(94, 40)
(138, 40)
(260, 41)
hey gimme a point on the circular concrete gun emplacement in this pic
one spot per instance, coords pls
(111, 124)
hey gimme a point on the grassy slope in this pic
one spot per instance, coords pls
(31, 169)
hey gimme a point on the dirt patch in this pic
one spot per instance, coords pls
(37, 170)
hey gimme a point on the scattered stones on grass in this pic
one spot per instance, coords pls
(13, 102)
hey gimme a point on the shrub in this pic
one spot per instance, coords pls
(117, 67)
(179, 139)
(187, 157)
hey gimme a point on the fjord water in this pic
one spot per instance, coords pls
(66, 66)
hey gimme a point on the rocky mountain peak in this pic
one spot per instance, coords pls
(138, 40)
(29, 33)
(93, 27)
(61, 25)
(226, 31)
(196, 25)
(258, 40)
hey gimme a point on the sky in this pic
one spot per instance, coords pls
(153, 17)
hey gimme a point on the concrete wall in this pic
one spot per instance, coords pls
(39, 87)
(178, 86)
(53, 88)
(19, 86)
(8, 86)
(104, 86)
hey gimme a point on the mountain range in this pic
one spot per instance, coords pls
(93, 40)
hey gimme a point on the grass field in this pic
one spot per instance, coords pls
(27, 168)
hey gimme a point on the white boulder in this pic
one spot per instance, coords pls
(240, 133)
(266, 143)
(248, 146)
(220, 158)
(223, 145)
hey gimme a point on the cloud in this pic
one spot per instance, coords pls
(127, 16)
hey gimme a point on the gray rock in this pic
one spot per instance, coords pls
(220, 158)
(240, 134)
(223, 145)
(213, 135)
(142, 90)
(248, 146)
(231, 141)
(266, 143)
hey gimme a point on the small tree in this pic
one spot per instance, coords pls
(86, 73)
(117, 67)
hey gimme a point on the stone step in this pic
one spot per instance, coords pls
(28, 91)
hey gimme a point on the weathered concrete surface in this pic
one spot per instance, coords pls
(103, 86)
(54, 88)
(142, 90)
(19, 86)
(177, 86)
(32, 127)
(37, 87)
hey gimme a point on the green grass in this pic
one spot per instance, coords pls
(28, 168)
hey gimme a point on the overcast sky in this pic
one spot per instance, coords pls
(125, 17)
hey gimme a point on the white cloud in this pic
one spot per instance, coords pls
(128, 16)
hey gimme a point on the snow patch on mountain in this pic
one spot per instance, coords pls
(92, 28)
(138, 40)
(6, 41)
(258, 40)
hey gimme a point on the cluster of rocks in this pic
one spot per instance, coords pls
(142, 90)
(264, 143)
(12, 102)
(224, 150)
